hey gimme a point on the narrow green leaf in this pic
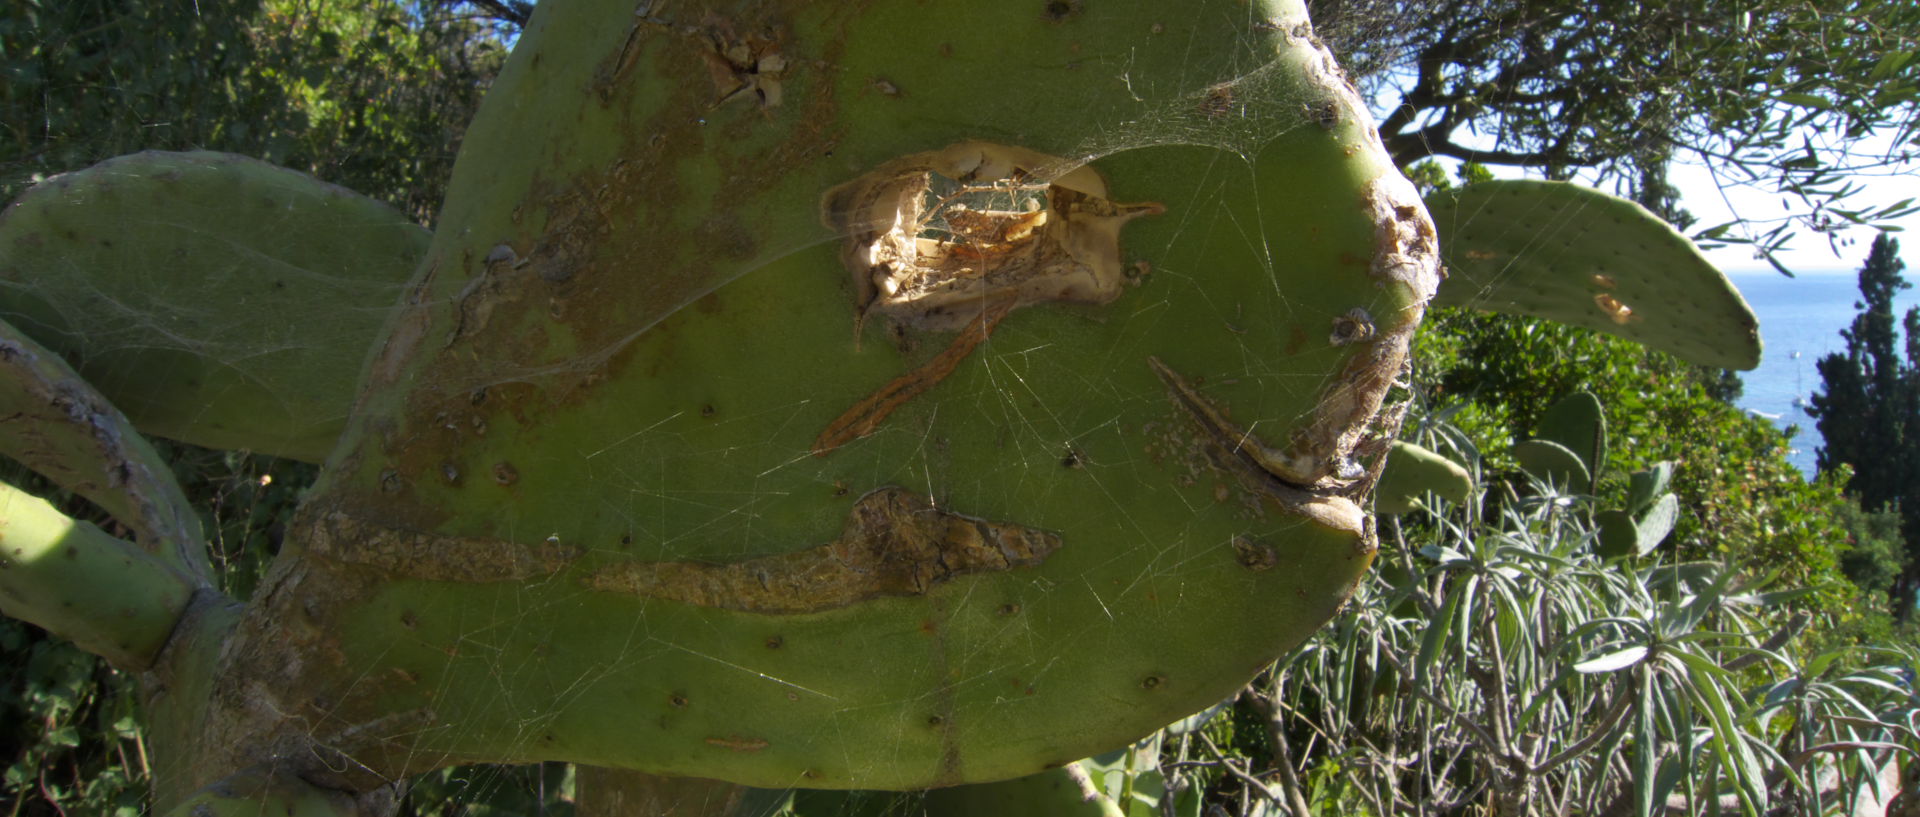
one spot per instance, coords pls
(1774, 695)
(1895, 689)
(1469, 596)
(1770, 598)
(1436, 636)
(1689, 663)
(1444, 555)
(1889, 63)
(1613, 661)
(1820, 662)
(1716, 232)
(1731, 745)
(1631, 628)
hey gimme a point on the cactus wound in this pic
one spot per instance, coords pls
(932, 236)
(865, 416)
(895, 544)
(958, 238)
(434, 557)
(1288, 480)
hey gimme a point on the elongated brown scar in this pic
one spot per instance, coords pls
(894, 544)
(865, 416)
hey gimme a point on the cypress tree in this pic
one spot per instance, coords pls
(1869, 410)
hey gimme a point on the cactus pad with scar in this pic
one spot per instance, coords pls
(1572, 254)
(829, 433)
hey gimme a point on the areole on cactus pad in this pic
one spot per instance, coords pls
(1052, 429)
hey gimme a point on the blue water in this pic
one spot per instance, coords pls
(1800, 321)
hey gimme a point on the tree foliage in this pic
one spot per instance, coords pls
(369, 94)
(1868, 409)
(1773, 93)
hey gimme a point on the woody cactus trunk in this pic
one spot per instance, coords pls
(837, 395)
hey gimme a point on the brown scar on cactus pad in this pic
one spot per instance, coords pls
(1274, 474)
(895, 543)
(865, 416)
(435, 557)
(932, 236)
(957, 238)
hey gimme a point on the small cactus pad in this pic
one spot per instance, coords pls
(1623, 535)
(57, 425)
(54, 565)
(215, 299)
(1618, 535)
(1572, 254)
(1577, 423)
(1554, 464)
(1643, 487)
(1413, 472)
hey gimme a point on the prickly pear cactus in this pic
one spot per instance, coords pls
(855, 415)
(916, 395)
(1573, 254)
(1413, 473)
(215, 299)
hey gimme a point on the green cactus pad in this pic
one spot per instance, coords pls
(52, 567)
(57, 425)
(1657, 522)
(1643, 487)
(854, 415)
(1554, 464)
(1576, 422)
(1618, 535)
(1412, 472)
(216, 299)
(1572, 254)
(1623, 535)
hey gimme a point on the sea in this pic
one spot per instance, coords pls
(1800, 321)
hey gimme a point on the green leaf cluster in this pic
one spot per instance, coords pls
(370, 94)
(1499, 661)
(1740, 499)
(68, 738)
